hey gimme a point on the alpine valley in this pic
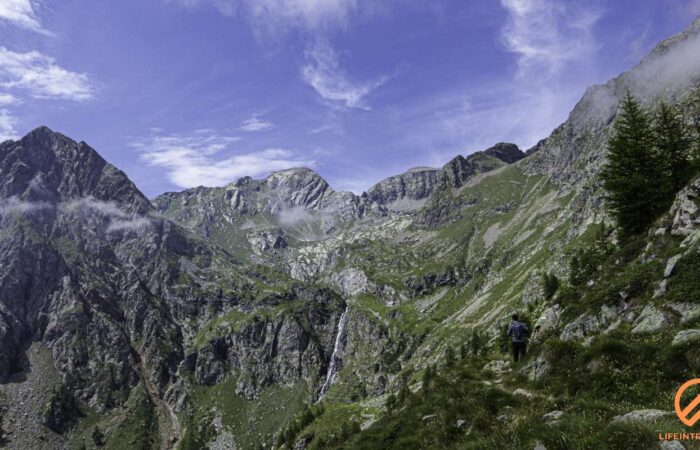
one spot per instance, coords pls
(281, 313)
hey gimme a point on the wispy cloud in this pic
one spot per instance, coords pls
(197, 160)
(255, 123)
(322, 71)
(7, 126)
(546, 34)
(555, 58)
(22, 14)
(274, 16)
(40, 76)
(89, 207)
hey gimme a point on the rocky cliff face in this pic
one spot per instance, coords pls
(411, 190)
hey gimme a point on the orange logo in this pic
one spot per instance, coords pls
(686, 414)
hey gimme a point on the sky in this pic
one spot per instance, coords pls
(182, 93)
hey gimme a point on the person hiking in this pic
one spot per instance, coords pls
(518, 332)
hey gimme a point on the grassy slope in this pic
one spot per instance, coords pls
(614, 374)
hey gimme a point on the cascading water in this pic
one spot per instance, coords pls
(335, 358)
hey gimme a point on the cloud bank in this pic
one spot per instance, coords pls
(88, 206)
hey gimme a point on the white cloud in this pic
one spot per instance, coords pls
(21, 13)
(41, 77)
(322, 71)
(118, 219)
(254, 123)
(8, 99)
(7, 126)
(195, 160)
(546, 34)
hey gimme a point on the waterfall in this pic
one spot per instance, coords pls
(333, 367)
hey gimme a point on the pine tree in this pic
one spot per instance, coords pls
(391, 402)
(428, 376)
(404, 393)
(550, 285)
(633, 171)
(449, 357)
(674, 146)
(476, 343)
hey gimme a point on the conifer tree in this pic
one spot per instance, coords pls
(673, 143)
(449, 357)
(633, 171)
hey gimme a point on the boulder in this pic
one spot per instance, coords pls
(671, 445)
(642, 415)
(549, 318)
(684, 337)
(650, 320)
(520, 392)
(587, 324)
(553, 416)
(686, 310)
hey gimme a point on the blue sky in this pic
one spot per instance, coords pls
(180, 93)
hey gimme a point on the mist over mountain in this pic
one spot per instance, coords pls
(282, 313)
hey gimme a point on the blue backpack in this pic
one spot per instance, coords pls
(519, 331)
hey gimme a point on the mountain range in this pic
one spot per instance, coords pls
(220, 316)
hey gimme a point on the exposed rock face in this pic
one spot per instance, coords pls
(609, 317)
(686, 210)
(280, 349)
(263, 241)
(411, 189)
(506, 152)
(416, 184)
(650, 320)
(685, 337)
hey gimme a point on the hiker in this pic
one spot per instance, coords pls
(518, 332)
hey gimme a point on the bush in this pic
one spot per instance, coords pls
(550, 285)
(623, 436)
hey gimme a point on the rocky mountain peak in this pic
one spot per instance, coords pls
(50, 167)
(298, 186)
(506, 152)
